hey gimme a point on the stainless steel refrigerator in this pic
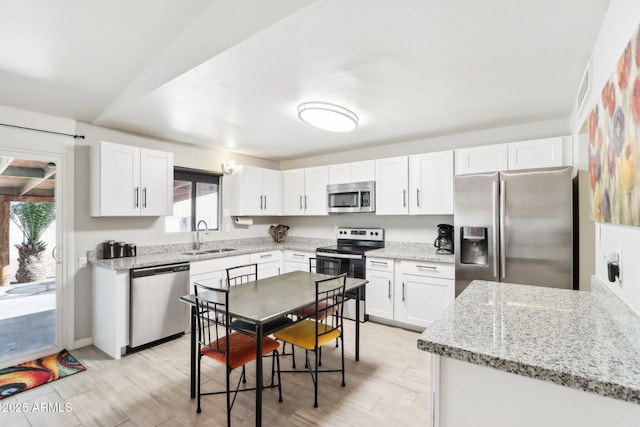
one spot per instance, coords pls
(515, 227)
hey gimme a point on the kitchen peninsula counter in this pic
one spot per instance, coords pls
(587, 341)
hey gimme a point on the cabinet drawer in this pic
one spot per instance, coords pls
(205, 266)
(270, 256)
(380, 264)
(298, 256)
(430, 269)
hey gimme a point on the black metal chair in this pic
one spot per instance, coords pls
(330, 266)
(323, 266)
(219, 342)
(311, 334)
(240, 275)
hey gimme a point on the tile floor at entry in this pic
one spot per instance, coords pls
(388, 386)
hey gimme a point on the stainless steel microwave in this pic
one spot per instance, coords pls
(352, 197)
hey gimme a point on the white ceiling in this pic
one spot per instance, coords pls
(231, 74)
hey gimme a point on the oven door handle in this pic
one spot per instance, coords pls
(343, 256)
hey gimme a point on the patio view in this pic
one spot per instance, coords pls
(27, 257)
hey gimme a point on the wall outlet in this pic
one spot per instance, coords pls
(82, 262)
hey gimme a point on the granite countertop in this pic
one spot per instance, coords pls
(411, 251)
(173, 254)
(584, 340)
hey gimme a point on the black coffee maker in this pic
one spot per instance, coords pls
(444, 241)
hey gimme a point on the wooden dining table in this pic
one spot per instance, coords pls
(262, 301)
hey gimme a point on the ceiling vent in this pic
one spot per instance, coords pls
(585, 88)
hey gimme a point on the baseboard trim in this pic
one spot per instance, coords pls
(82, 343)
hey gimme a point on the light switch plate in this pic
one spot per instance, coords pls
(82, 262)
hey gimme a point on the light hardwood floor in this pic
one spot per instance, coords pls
(388, 386)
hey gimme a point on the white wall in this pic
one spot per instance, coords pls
(419, 229)
(621, 20)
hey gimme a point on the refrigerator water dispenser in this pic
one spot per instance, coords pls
(474, 245)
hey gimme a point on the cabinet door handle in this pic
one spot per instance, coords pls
(266, 256)
(136, 201)
(261, 202)
(402, 291)
(428, 267)
(265, 202)
(378, 262)
(279, 271)
(144, 197)
(418, 197)
(404, 198)
(305, 202)
(301, 202)
(389, 289)
(298, 255)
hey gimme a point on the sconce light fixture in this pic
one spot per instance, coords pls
(228, 166)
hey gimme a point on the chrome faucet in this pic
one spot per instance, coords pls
(206, 231)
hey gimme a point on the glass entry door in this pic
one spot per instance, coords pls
(28, 265)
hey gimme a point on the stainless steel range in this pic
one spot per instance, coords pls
(352, 245)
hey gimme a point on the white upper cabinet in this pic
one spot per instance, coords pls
(345, 173)
(340, 174)
(293, 192)
(156, 181)
(486, 158)
(255, 191)
(531, 154)
(130, 181)
(305, 191)
(538, 153)
(431, 183)
(392, 181)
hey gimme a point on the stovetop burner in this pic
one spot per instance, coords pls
(356, 241)
(345, 249)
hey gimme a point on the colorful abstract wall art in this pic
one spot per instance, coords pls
(614, 135)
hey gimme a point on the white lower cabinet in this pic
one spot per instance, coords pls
(412, 293)
(110, 314)
(379, 291)
(297, 260)
(423, 291)
(213, 272)
(269, 263)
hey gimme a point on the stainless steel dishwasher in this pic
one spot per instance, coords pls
(155, 311)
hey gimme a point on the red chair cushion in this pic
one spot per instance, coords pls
(242, 349)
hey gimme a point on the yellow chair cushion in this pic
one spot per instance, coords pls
(303, 334)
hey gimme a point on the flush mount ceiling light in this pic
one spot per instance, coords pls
(327, 116)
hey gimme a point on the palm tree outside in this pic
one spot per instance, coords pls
(33, 218)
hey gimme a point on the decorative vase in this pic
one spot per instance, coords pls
(278, 232)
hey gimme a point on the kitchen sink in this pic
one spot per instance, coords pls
(208, 251)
